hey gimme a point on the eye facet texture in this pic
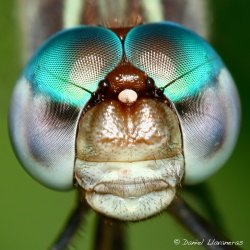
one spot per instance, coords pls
(71, 60)
(198, 84)
(50, 95)
(168, 52)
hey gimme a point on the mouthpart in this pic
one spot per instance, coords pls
(129, 191)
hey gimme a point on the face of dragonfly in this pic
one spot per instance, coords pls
(127, 113)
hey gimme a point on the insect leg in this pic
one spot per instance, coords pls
(204, 196)
(72, 225)
(198, 226)
(109, 235)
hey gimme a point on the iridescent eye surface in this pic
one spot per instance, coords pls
(168, 52)
(129, 114)
(71, 61)
(200, 87)
(50, 95)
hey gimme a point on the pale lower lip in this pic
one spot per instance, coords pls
(130, 190)
(133, 208)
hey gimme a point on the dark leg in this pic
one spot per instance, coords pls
(71, 227)
(203, 195)
(110, 235)
(197, 225)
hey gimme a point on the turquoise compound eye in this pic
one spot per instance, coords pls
(50, 95)
(168, 52)
(199, 86)
(73, 61)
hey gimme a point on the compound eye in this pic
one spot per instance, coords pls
(168, 52)
(74, 60)
(199, 86)
(48, 99)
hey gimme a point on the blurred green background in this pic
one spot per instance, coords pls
(31, 215)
